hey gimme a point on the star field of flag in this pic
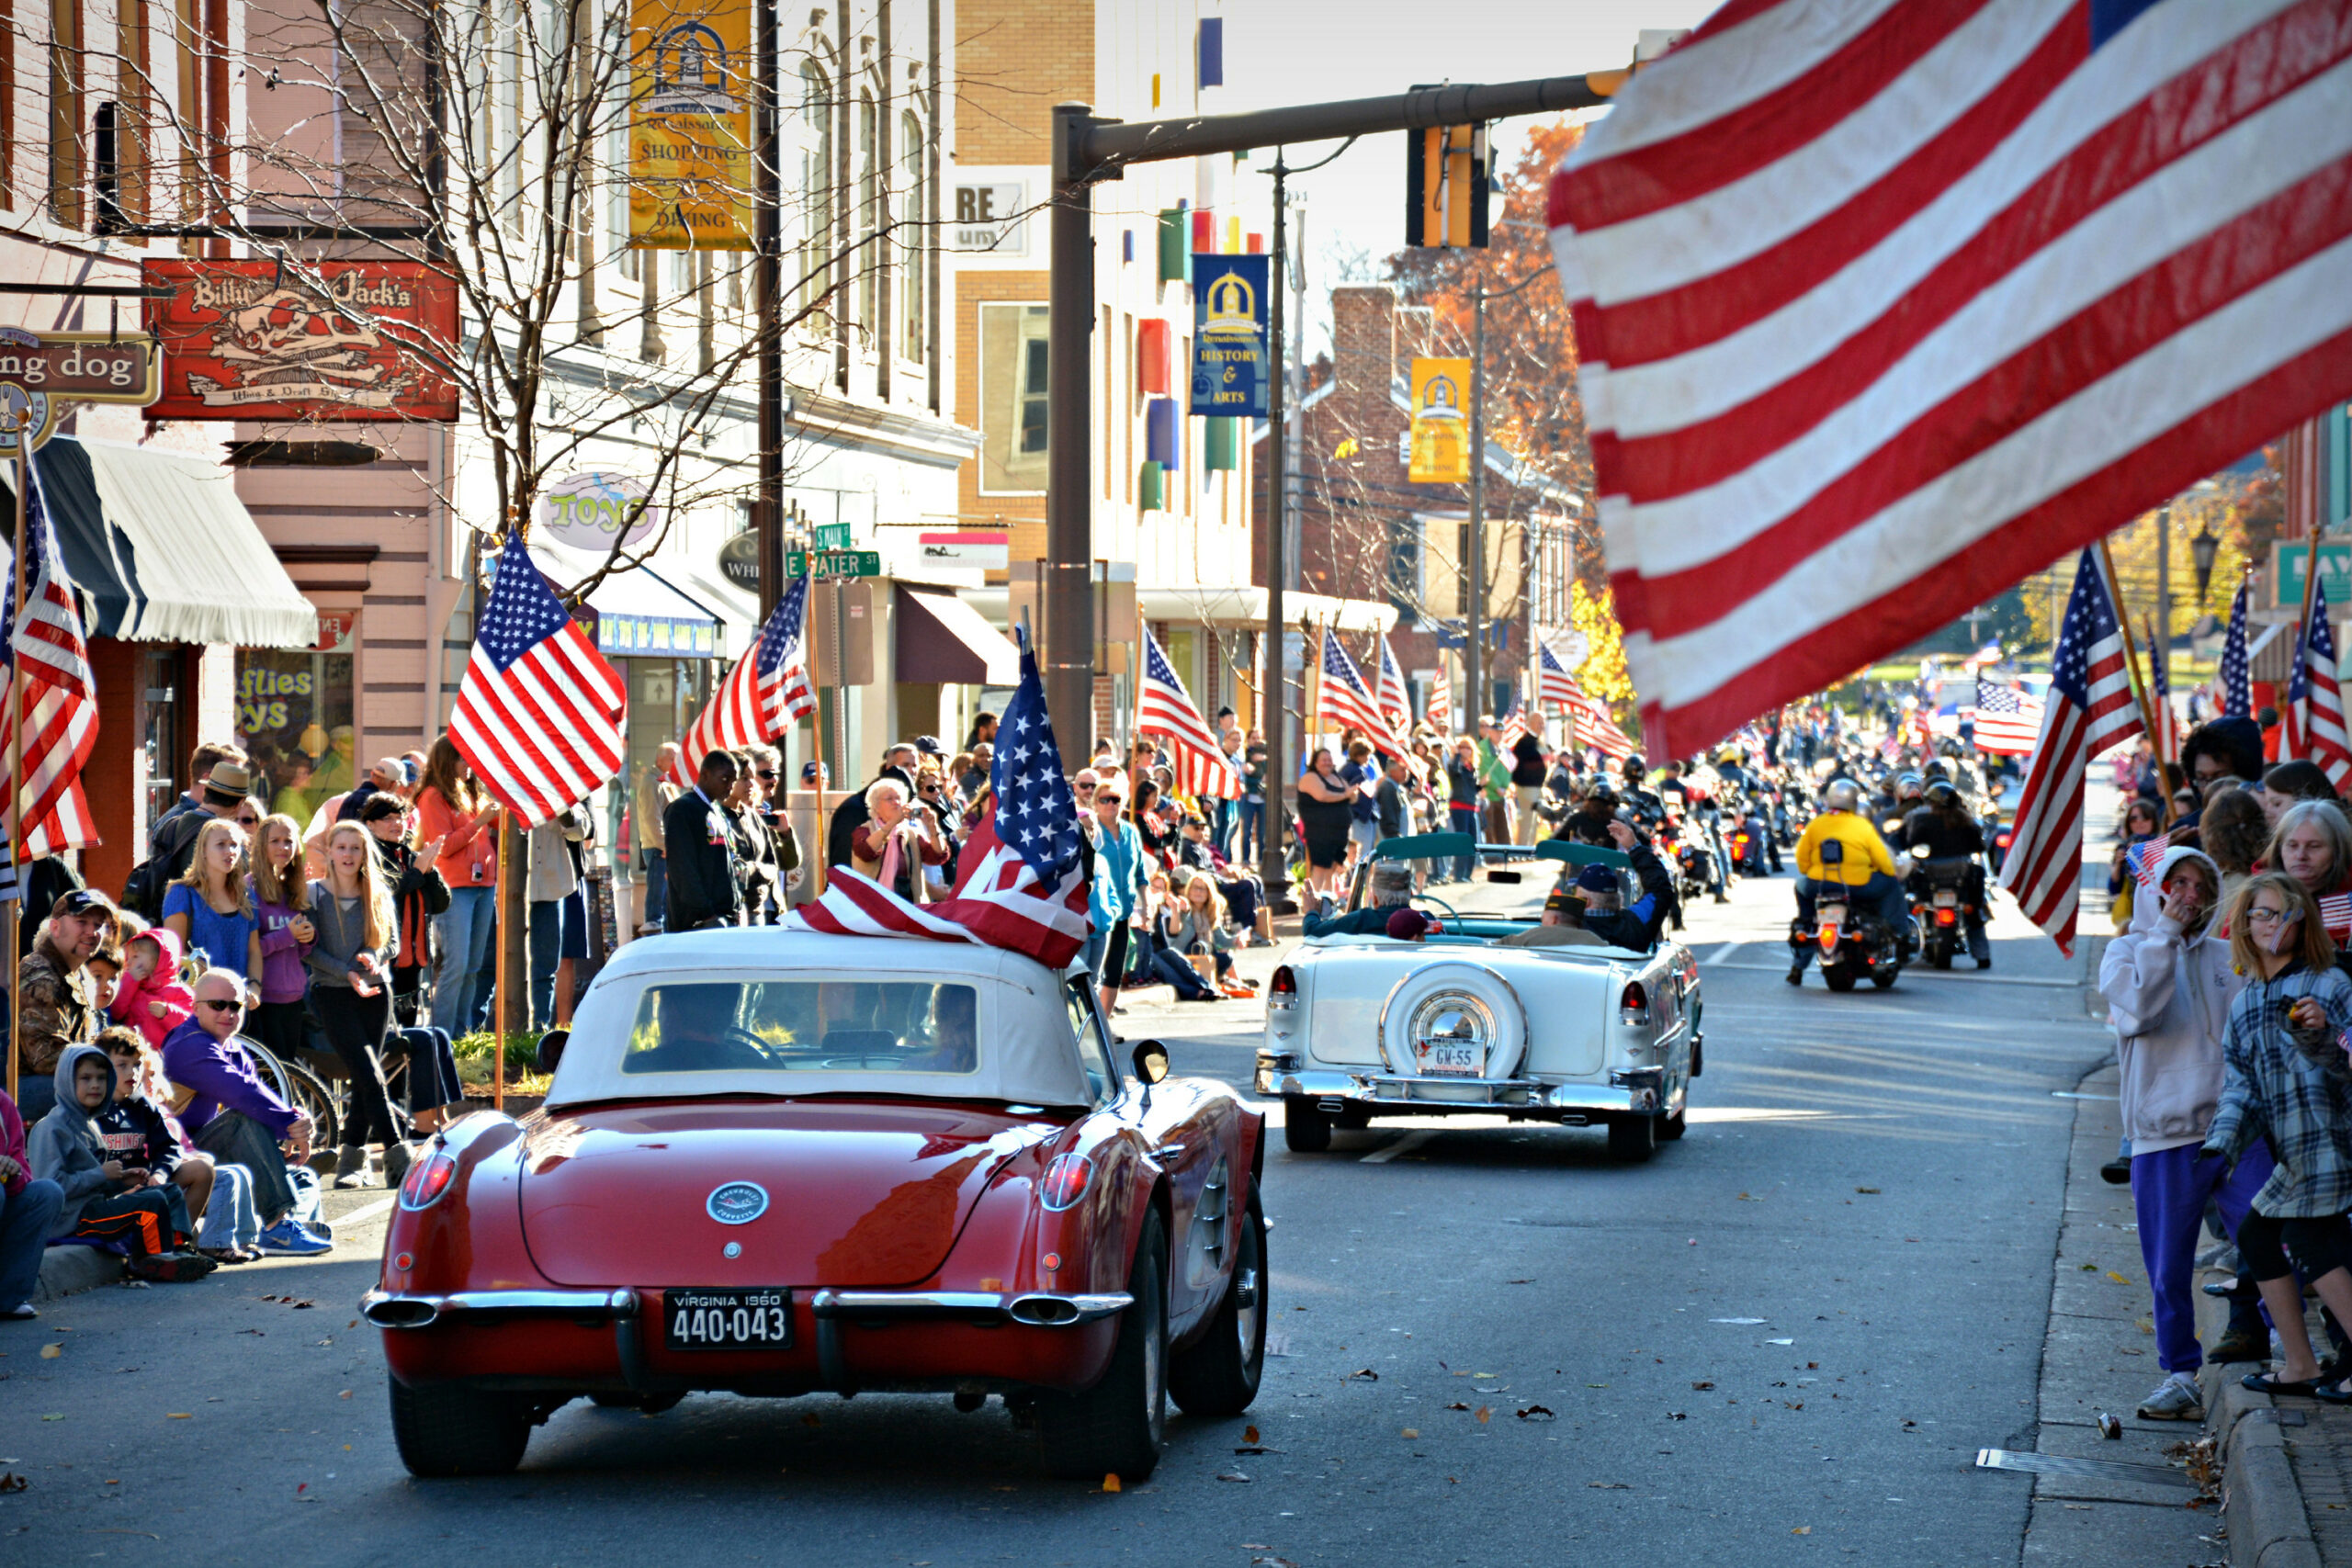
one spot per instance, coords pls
(2237, 674)
(1036, 812)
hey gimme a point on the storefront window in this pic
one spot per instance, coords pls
(294, 717)
(665, 696)
(1014, 366)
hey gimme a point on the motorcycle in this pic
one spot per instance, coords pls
(1851, 944)
(1942, 905)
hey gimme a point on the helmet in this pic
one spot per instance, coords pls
(1635, 768)
(1935, 771)
(1842, 795)
(1728, 757)
(1908, 784)
(1940, 792)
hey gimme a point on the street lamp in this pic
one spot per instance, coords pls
(2202, 549)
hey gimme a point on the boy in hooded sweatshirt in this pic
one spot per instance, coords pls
(152, 996)
(2169, 983)
(106, 1199)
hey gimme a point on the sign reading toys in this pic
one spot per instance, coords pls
(328, 341)
(690, 125)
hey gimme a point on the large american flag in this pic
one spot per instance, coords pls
(765, 694)
(1164, 708)
(539, 714)
(1395, 699)
(1020, 881)
(1347, 702)
(1555, 687)
(2316, 699)
(1881, 303)
(2008, 720)
(59, 698)
(2237, 671)
(2090, 710)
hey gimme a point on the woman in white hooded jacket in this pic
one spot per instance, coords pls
(2168, 984)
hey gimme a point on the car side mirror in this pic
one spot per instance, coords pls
(1150, 1058)
(551, 1046)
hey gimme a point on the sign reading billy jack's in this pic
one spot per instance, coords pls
(329, 341)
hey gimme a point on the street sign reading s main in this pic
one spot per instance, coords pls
(833, 563)
(1230, 357)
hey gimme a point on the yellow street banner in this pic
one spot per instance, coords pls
(1441, 448)
(690, 125)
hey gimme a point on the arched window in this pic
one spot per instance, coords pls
(816, 177)
(869, 207)
(914, 165)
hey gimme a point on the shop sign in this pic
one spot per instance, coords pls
(335, 628)
(585, 511)
(991, 217)
(1440, 436)
(690, 125)
(966, 549)
(39, 374)
(2291, 560)
(654, 637)
(1229, 354)
(739, 559)
(329, 339)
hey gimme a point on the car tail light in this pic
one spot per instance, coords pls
(1634, 1007)
(1281, 991)
(1065, 1182)
(427, 1179)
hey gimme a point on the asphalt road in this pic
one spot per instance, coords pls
(1782, 1340)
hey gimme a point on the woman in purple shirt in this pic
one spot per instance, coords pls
(282, 899)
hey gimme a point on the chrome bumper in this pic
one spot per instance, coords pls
(388, 1309)
(1036, 1309)
(1627, 1091)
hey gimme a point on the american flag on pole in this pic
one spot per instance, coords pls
(2168, 746)
(2007, 721)
(1514, 724)
(2237, 671)
(1348, 702)
(1555, 687)
(2335, 913)
(1441, 704)
(2316, 699)
(1164, 708)
(60, 696)
(2144, 859)
(1020, 882)
(1882, 303)
(539, 715)
(2090, 710)
(1395, 699)
(765, 694)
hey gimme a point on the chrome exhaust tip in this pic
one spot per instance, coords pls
(1043, 1311)
(399, 1312)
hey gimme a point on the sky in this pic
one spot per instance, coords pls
(1303, 51)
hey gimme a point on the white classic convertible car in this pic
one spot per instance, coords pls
(1363, 1025)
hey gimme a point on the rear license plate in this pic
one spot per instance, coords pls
(1946, 900)
(727, 1320)
(1449, 1060)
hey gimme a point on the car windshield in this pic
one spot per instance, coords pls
(732, 1026)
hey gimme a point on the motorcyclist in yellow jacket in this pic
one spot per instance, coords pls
(1842, 850)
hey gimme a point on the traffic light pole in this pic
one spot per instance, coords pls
(1086, 149)
(1474, 644)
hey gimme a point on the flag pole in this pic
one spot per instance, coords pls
(17, 752)
(498, 1008)
(2303, 630)
(2131, 671)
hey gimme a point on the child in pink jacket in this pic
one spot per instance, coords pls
(152, 996)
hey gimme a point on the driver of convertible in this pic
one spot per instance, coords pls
(691, 1027)
(1585, 910)
(1392, 889)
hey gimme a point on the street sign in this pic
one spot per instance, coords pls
(831, 535)
(1229, 358)
(2288, 562)
(833, 563)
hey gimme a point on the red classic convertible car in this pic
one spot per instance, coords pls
(780, 1164)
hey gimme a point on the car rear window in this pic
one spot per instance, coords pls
(802, 1025)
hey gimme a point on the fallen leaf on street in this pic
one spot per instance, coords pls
(1410, 1432)
(1233, 1476)
(1249, 1434)
(52, 1417)
(1457, 1405)
(1485, 1413)
(1519, 1281)
(1534, 1413)
(1702, 1385)
(1257, 1449)
(1677, 1416)
(2117, 1278)
(50, 1352)
(1871, 1191)
(1111, 1480)
(1608, 1486)
(168, 1416)
(344, 1394)
(1802, 1530)
(11, 1482)
(1366, 1373)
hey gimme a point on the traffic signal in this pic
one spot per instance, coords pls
(1446, 186)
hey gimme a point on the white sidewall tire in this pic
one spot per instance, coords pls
(1476, 980)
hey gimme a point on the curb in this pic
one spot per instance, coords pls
(68, 1270)
(2262, 1502)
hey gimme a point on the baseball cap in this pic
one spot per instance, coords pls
(1597, 879)
(1408, 925)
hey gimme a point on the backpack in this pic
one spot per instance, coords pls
(151, 879)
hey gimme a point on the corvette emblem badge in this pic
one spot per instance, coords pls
(737, 1203)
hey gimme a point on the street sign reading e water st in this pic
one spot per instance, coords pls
(833, 563)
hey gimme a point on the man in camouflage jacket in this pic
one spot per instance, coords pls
(56, 994)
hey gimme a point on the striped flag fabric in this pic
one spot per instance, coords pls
(1020, 882)
(763, 696)
(2166, 744)
(1347, 702)
(2315, 698)
(539, 715)
(48, 654)
(2009, 721)
(2089, 709)
(1441, 704)
(2237, 671)
(1554, 686)
(1881, 304)
(1164, 708)
(1391, 693)
(2142, 860)
(1514, 727)
(2335, 913)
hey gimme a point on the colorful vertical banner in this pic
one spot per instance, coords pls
(690, 125)
(1440, 446)
(1229, 334)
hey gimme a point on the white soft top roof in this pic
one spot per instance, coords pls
(1027, 1055)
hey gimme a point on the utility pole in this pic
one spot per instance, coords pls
(767, 286)
(1087, 149)
(1474, 644)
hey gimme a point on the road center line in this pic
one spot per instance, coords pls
(360, 1216)
(1971, 977)
(1726, 951)
(1405, 1145)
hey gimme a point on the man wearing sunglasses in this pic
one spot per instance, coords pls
(58, 1011)
(234, 1116)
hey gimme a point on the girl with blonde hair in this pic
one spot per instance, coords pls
(209, 908)
(351, 990)
(281, 899)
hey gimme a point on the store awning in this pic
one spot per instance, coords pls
(1240, 609)
(163, 551)
(942, 638)
(639, 614)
